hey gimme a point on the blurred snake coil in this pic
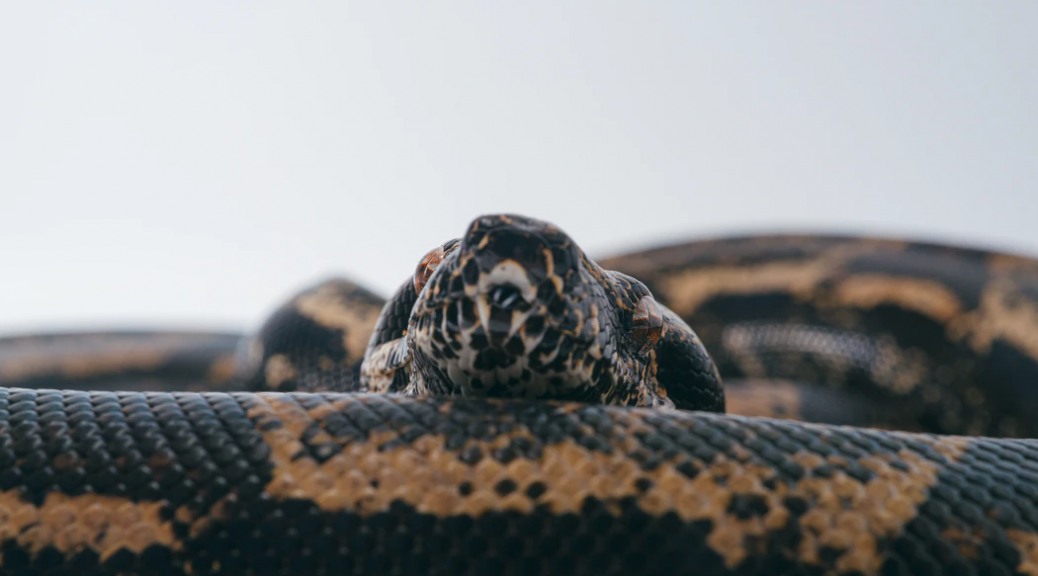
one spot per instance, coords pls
(518, 408)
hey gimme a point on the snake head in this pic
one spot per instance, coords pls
(515, 309)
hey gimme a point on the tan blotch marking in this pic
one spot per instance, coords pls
(926, 297)
(851, 515)
(278, 370)
(1003, 314)
(1027, 544)
(767, 398)
(86, 355)
(326, 306)
(1000, 262)
(428, 476)
(81, 364)
(843, 512)
(105, 524)
(222, 369)
(685, 291)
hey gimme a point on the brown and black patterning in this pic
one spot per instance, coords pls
(517, 408)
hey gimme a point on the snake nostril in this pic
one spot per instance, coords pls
(506, 296)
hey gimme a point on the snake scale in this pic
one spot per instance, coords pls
(517, 408)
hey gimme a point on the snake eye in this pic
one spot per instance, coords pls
(426, 267)
(647, 325)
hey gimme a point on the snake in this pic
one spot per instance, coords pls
(766, 404)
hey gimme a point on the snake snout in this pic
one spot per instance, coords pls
(538, 248)
(517, 266)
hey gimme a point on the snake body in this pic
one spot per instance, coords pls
(518, 408)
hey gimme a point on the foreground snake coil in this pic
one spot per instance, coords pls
(476, 437)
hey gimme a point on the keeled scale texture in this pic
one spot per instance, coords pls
(105, 483)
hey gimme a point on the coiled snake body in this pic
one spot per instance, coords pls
(516, 408)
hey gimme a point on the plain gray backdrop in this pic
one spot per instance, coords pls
(191, 164)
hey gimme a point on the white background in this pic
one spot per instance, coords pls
(190, 164)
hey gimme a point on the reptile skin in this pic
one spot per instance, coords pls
(286, 466)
